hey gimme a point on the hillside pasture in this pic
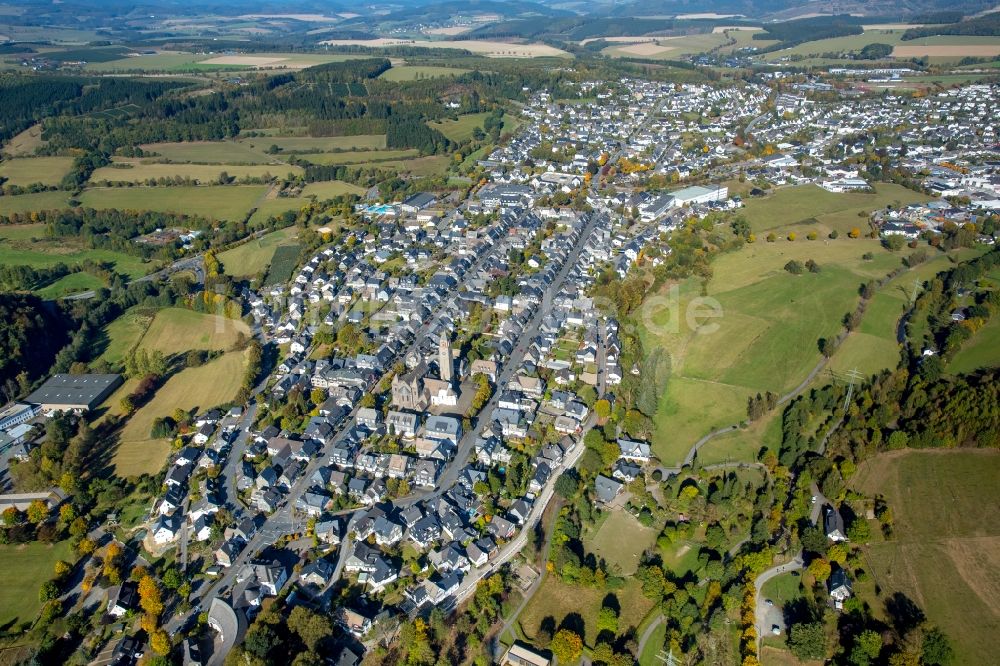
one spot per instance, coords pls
(214, 383)
(946, 560)
(177, 330)
(359, 157)
(415, 72)
(139, 171)
(24, 171)
(211, 152)
(26, 203)
(223, 202)
(123, 334)
(319, 144)
(460, 129)
(27, 245)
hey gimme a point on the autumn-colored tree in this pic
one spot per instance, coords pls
(67, 514)
(62, 568)
(854, 232)
(792, 236)
(38, 511)
(820, 569)
(85, 547)
(149, 596)
(567, 646)
(12, 516)
(160, 642)
(603, 409)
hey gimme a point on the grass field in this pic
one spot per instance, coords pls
(556, 599)
(766, 337)
(27, 245)
(176, 330)
(668, 47)
(461, 129)
(212, 384)
(255, 256)
(945, 552)
(414, 72)
(213, 152)
(124, 333)
(481, 47)
(359, 156)
(307, 144)
(620, 541)
(71, 284)
(982, 351)
(138, 171)
(228, 202)
(25, 568)
(25, 143)
(328, 189)
(173, 61)
(798, 205)
(26, 171)
(939, 47)
(25, 203)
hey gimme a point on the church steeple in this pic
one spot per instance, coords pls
(446, 362)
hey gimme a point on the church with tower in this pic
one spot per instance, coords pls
(417, 390)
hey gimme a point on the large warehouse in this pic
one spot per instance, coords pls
(74, 393)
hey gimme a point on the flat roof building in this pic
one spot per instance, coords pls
(16, 413)
(80, 393)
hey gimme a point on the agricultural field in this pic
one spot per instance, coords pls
(941, 48)
(319, 144)
(26, 143)
(175, 61)
(25, 203)
(176, 330)
(212, 152)
(669, 47)
(27, 245)
(329, 189)
(947, 561)
(26, 171)
(25, 568)
(811, 208)
(215, 383)
(480, 47)
(283, 264)
(224, 202)
(255, 256)
(414, 72)
(620, 541)
(360, 157)
(555, 599)
(139, 171)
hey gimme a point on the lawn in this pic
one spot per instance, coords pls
(212, 384)
(690, 409)
(139, 171)
(29, 170)
(229, 202)
(25, 568)
(620, 541)
(793, 205)
(321, 144)
(558, 600)
(782, 589)
(460, 129)
(25, 203)
(177, 330)
(254, 256)
(414, 72)
(650, 655)
(944, 554)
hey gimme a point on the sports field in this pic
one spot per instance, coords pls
(414, 72)
(212, 384)
(224, 202)
(255, 256)
(176, 330)
(25, 568)
(945, 553)
(26, 171)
